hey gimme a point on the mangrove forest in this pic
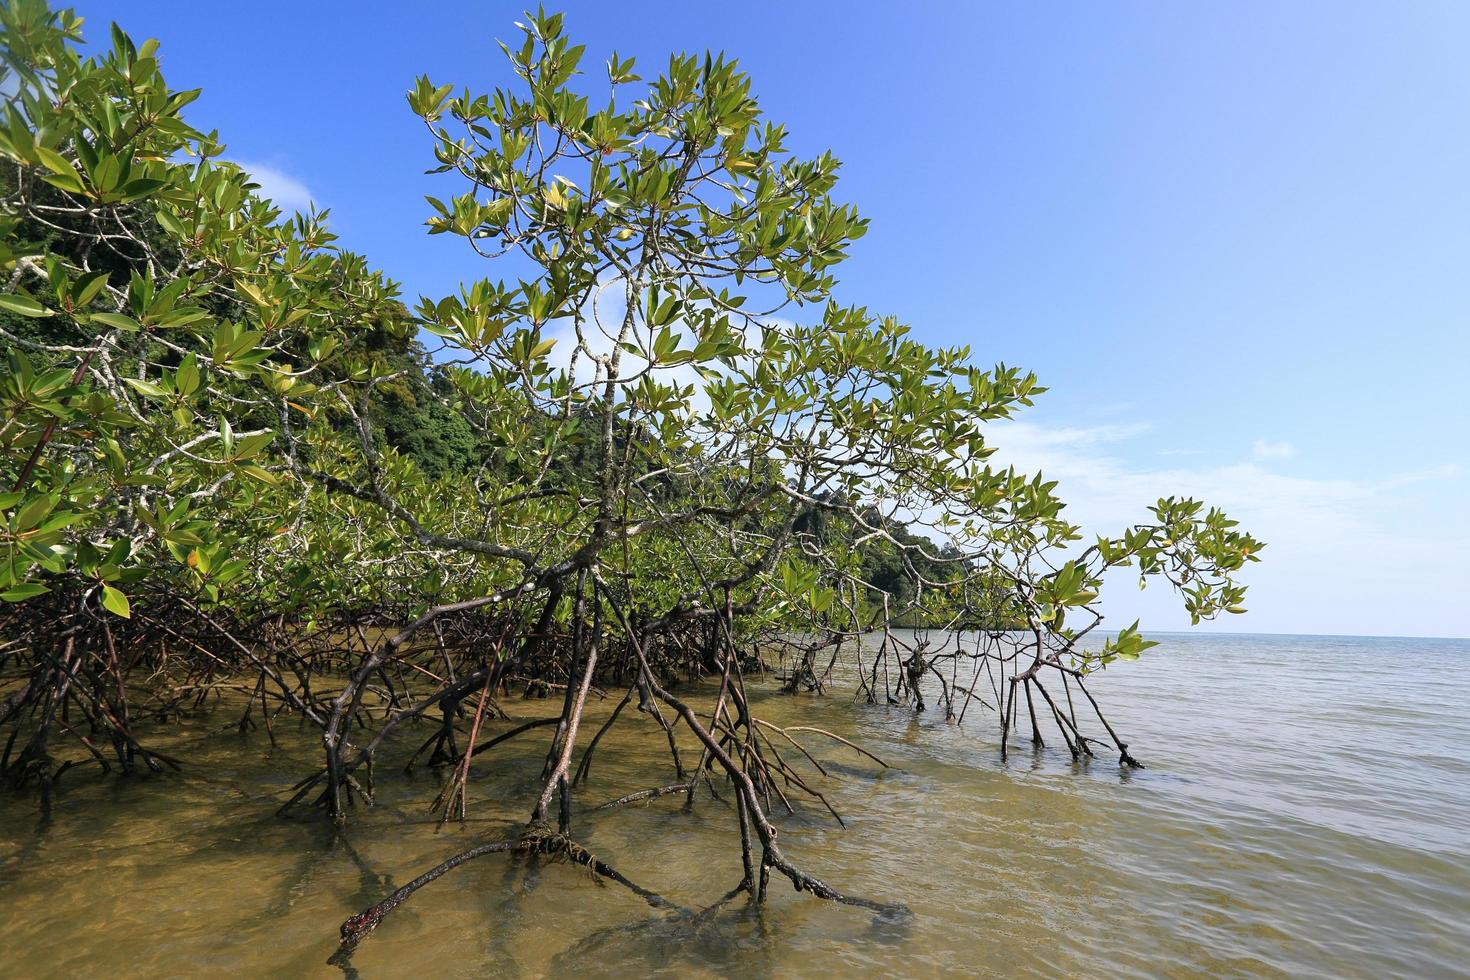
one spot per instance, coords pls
(649, 462)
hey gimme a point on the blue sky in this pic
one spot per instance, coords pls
(1233, 239)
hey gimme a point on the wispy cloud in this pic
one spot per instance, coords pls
(286, 192)
(1366, 555)
(1261, 449)
(1037, 438)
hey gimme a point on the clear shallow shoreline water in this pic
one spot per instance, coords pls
(1305, 811)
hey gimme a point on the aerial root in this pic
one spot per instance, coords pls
(820, 731)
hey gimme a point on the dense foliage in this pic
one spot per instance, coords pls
(660, 450)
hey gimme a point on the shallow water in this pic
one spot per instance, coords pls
(1305, 811)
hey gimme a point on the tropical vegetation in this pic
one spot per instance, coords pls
(651, 449)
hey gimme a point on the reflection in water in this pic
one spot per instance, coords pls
(1306, 808)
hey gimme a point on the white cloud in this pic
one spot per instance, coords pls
(1027, 436)
(285, 191)
(602, 323)
(1369, 556)
(600, 342)
(1261, 449)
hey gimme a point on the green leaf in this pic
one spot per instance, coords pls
(66, 176)
(35, 512)
(252, 445)
(142, 188)
(66, 182)
(117, 321)
(116, 603)
(61, 519)
(24, 305)
(146, 387)
(24, 591)
(87, 288)
(186, 380)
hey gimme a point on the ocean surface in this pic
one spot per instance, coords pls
(1305, 811)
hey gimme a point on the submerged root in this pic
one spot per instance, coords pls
(536, 840)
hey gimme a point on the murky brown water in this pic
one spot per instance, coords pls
(1306, 810)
